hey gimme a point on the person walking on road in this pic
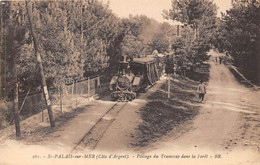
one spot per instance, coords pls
(201, 91)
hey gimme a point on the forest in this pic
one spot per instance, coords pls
(48, 44)
(79, 39)
(237, 34)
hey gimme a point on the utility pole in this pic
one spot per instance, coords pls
(169, 86)
(169, 69)
(178, 30)
(81, 23)
(39, 63)
(61, 98)
(81, 30)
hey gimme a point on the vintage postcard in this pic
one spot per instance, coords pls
(129, 82)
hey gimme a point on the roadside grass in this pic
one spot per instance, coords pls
(161, 115)
(34, 132)
(239, 78)
(33, 129)
(237, 72)
(197, 76)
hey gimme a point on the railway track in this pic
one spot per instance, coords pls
(93, 136)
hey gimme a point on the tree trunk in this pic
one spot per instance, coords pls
(1, 53)
(16, 110)
(169, 86)
(1, 64)
(39, 63)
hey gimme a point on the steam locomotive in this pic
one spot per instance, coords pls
(134, 76)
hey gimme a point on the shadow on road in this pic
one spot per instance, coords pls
(161, 115)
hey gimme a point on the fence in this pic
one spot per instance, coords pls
(70, 97)
(74, 93)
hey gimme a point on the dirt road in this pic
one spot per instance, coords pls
(228, 121)
(225, 103)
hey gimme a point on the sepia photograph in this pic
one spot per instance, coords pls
(106, 82)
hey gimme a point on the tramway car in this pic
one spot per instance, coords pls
(133, 77)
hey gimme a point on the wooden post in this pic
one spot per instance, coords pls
(39, 62)
(72, 91)
(61, 99)
(178, 30)
(88, 87)
(169, 87)
(24, 101)
(76, 93)
(98, 83)
(43, 115)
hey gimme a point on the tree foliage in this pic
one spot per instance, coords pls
(12, 38)
(72, 44)
(163, 37)
(238, 35)
(199, 23)
(139, 32)
(89, 40)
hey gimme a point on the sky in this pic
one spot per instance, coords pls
(152, 8)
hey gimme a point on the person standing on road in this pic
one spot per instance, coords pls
(220, 60)
(201, 90)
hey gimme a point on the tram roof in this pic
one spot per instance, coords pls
(144, 60)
